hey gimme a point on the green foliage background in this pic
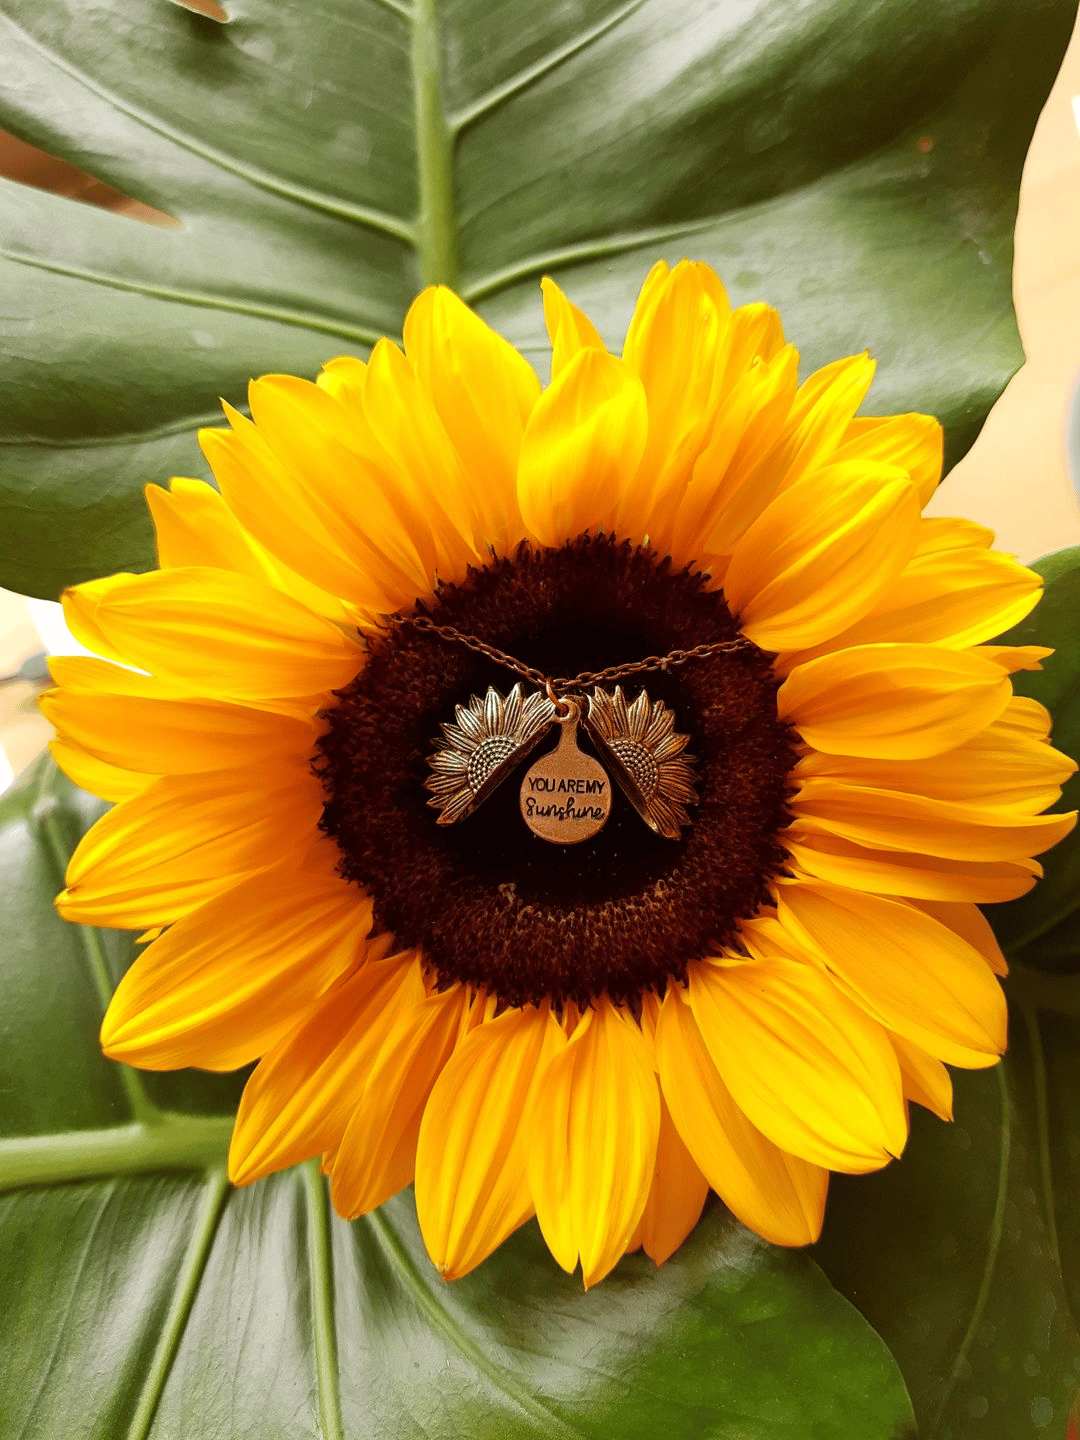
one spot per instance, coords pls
(857, 166)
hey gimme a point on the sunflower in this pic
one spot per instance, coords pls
(595, 1034)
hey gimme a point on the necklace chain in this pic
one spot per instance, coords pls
(555, 686)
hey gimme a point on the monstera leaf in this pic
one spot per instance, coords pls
(144, 1298)
(855, 165)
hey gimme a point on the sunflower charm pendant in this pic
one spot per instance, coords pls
(488, 738)
(647, 756)
(566, 795)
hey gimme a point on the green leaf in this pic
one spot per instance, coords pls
(1042, 929)
(965, 1254)
(145, 1298)
(856, 167)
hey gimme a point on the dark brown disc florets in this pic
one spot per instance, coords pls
(485, 900)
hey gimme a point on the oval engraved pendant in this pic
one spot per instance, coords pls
(566, 795)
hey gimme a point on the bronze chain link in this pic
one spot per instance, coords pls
(556, 685)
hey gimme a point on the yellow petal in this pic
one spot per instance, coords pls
(300, 1096)
(677, 345)
(287, 513)
(569, 329)
(582, 447)
(173, 736)
(820, 554)
(804, 437)
(107, 782)
(777, 1195)
(331, 455)
(88, 674)
(471, 1191)
(1027, 717)
(912, 442)
(344, 377)
(406, 424)
(733, 479)
(227, 635)
(184, 840)
(971, 925)
(820, 414)
(947, 532)
(756, 334)
(483, 392)
(194, 526)
(808, 1067)
(676, 1197)
(918, 978)
(893, 702)
(224, 984)
(377, 1154)
(926, 1081)
(1014, 657)
(1002, 767)
(594, 1128)
(898, 872)
(766, 939)
(953, 597)
(81, 613)
(891, 820)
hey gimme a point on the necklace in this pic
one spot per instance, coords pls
(565, 796)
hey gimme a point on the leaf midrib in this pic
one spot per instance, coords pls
(171, 1142)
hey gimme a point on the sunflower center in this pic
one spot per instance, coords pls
(640, 763)
(486, 901)
(488, 756)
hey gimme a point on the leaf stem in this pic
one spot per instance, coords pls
(174, 1142)
(436, 230)
(322, 1303)
(214, 1197)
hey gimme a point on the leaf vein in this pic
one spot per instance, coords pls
(320, 1264)
(596, 249)
(300, 318)
(426, 1303)
(187, 1284)
(368, 217)
(524, 79)
(122, 437)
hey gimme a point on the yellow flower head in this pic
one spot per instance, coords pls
(594, 1034)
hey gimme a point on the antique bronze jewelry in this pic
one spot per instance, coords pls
(566, 796)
